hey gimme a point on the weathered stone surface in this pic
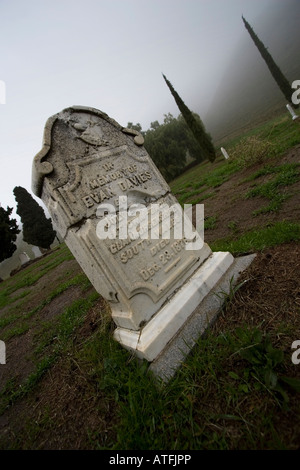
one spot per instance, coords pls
(159, 331)
(88, 165)
(205, 314)
(24, 258)
(36, 251)
(87, 160)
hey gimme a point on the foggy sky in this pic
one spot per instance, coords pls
(110, 55)
(248, 92)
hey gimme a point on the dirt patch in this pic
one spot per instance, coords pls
(42, 288)
(73, 413)
(235, 213)
(19, 349)
(270, 296)
(18, 362)
(29, 263)
(58, 304)
(70, 406)
(47, 284)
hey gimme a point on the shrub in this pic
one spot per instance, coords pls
(252, 150)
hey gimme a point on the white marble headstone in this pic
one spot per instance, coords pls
(89, 162)
(24, 258)
(36, 251)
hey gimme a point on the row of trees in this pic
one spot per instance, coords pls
(171, 144)
(37, 229)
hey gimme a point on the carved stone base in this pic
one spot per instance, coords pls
(198, 299)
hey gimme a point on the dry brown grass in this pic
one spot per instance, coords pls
(252, 150)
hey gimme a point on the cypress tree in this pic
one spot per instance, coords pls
(196, 126)
(277, 74)
(37, 229)
(8, 233)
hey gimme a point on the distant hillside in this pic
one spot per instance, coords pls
(8, 265)
(248, 92)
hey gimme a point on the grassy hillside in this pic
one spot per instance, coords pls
(67, 384)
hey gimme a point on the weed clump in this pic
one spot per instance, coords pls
(252, 150)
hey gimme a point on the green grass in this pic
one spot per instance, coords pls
(282, 131)
(233, 225)
(29, 276)
(210, 222)
(200, 198)
(202, 177)
(64, 333)
(259, 239)
(285, 169)
(194, 183)
(179, 416)
(286, 175)
(11, 317)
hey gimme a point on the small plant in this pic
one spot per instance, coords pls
(201, 198)
(227, 297)
(259, 238)
(210, 222)
(252, 150)
(232, 225)
(265, 363)
(287, 175)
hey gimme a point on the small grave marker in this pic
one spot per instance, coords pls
(292, 112)
(24, 258)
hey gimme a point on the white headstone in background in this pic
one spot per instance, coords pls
(292, 112)
(88, 166)
(24, 258)
(36, 251)
(2, 352)
(225, 154)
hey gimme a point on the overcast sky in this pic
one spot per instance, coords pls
(108, 54)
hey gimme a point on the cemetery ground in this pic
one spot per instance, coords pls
(67, 384)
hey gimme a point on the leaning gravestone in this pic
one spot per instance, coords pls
(101, 187)
(36, 251)
(24, 258)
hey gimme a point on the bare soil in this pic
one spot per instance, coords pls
(230, 205)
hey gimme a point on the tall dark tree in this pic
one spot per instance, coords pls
(170, 144)
(8, 233)
(37, 229)
(277, 74)
(196, 126)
